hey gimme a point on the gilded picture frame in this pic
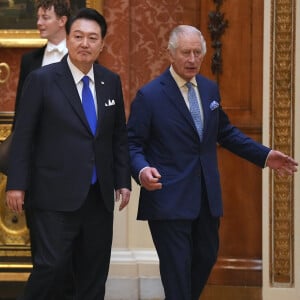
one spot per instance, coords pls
(20, 38)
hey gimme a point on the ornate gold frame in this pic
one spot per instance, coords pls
(14, 236)
(6, 119)
(30, 38)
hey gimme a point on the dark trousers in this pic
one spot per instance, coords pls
(83, 236)
(187, 251)
(68, 291)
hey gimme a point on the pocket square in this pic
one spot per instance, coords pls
(213, 105)
(110, 102)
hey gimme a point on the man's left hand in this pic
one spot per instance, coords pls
(281, 163)
(125, 195)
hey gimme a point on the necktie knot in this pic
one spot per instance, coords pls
(86, 80)
(189, 85)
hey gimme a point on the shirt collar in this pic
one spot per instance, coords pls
(77, 74)
(179, 80)
(61, 47)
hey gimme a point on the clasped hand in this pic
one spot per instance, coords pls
(149, 179)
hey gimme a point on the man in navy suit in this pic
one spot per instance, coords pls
(174, 159)
(71, 170)
(52, 16)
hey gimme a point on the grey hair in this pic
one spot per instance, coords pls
(184, 30)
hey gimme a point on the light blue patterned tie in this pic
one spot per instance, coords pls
(195, 109)
(90, 112)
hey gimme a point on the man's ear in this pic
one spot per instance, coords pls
(63, 20)
(170, 55)
(102, 45)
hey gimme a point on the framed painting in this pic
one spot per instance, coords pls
(18, 21)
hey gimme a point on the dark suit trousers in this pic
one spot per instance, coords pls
(85, 236)
(187, 251)
(69, 287)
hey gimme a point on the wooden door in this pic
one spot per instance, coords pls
(238, 63)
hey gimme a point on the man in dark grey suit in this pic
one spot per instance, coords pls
(72, 170)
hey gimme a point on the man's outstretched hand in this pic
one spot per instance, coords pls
(281, 163)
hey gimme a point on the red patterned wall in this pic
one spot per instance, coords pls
(11, 57)
(135, 44)
(137, 38)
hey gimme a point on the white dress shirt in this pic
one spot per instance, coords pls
(54, 53)
(184, 90)
(77, 75)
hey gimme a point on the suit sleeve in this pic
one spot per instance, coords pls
(231, 138)
(22, 77)
(120, 144)
(26, 125)
(138, 132)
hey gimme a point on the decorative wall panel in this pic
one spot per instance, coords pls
(151, 24)
(282, 138)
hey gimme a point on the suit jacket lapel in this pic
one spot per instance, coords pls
(65, 79)
(174, 95)
(37, 59)
(204, 101)
(101, 87)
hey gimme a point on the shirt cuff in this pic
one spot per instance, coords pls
(267, 158)
(141, 172)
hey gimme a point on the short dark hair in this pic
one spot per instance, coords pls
(61, 7)
(88, 14)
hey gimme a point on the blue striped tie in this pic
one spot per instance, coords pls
(90, 112)
(195, 109)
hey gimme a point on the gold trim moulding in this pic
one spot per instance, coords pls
(14, 259)
(6, 117)
(13, 276)
(20, 39)
(6, 120)
(13, 267)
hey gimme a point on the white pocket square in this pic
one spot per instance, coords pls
(213, 105)
(110, 102)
